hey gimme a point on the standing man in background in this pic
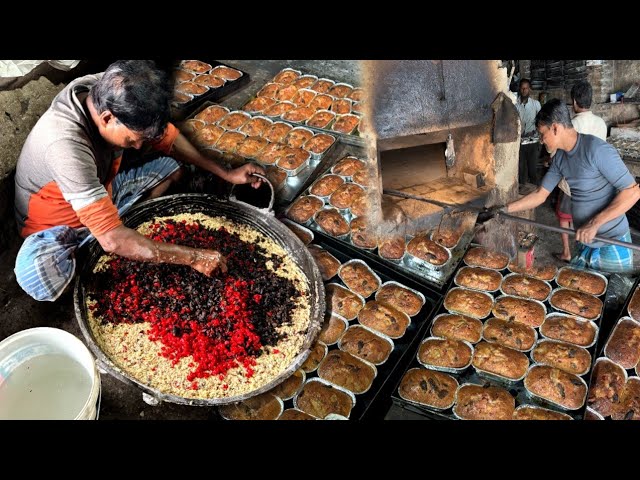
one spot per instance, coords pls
(584, 122)
(528, 108)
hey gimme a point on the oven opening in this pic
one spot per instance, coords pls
(408, 169)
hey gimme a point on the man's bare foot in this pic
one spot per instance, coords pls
(562, 257)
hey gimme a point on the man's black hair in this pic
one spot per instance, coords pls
(582, 93)
(554, 111)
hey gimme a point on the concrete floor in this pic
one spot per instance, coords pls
(122, 401)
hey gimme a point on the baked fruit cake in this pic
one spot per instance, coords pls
(251, 146)
(365, 178)
(321, 119)
(401, 298)
(304, 235)
(502, 361)
(270, 154)
(457, 327)
(323, 85)
(319, 400)
(344, 195)
(269, 90)
(190, 127)
(428, 387)
(519, 310)
(290, 386)
(527, 287)
(567, 357)
(365, 344)
(360, 207)
(427, 250)
(346, 123)
(292, 159)
(304, 97)
(327, 263)
(580, 280)
(210, 81)
(276, 132)
(384, 319)
(478, 278)
(392, 248)
(341, 106)
(298, 114)
(331, 222)
(319, 144)
(259, 104)
(226, 73)
(234, 120)
(529, 412)
(607, 383)
(578, 303)
(286, 76)
(262, 407)
(295, 414)
(359, 278)
(304, 208)
(180, 97)
(321, 102)
(332, 329)
(347, 166)
(298, 137)
(229, 141)
(445, 353)
(629, 406)
(346, 371)
(343, 301)
(556, 386)
(340, 90)
(483, 257)
(510, 334)
(286, 93)
(362, 235)
(212, 114)
(318, 352)
(305, 81)
(592, 415)
(447, 237)
(468, 302)
(255, 127)
(634, 305)
(326, 185)
(195, 66)
(475, 402)
(191, 88)
(357, 95)
(180, 75)
(567, 328)
(541, 272)
(208, 135)
(623, 346)
(279, 109)
(358, 108)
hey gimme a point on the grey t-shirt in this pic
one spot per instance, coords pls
(596, 173)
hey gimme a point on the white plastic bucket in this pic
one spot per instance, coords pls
(47, 373)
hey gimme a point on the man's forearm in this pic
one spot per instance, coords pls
(622, 202)
(184, 151)
(533, 200)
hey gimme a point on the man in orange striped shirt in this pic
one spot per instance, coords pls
(67, 175)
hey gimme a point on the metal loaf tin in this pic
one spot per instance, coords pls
(585, 270)
(392, 282)
(445, 369)
(451, 310)
(298, 169)
(329, 384)
(368, 364)
(553, 292)
(464, 258)
(550, 280)
(433, 322)
(544, 307)
(297, 225)
(497, 377)
(326, 350)
(535, 335)
(382, 336)
(542, 341)
(611, 335)
(463, 269)
(343, 237)
(546, 401)
(413, 402)
(414, 262)
(361, 262)
(568, 315)
(362, 300)
(341, 319)
(407, 317)
(511, 275)
(279, 400)
(310, 220)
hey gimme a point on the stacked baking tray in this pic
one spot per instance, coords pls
(614, 392)
(351, 340)
(318, 103)
(337, 204)
(197, 81)
(289, 153)
(507, 340)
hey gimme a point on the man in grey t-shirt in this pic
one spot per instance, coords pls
(602, 189)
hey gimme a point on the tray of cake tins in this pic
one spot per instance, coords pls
(237, 137)
(617, 321)
(322, 203)
(551, 332)
(374, 401)
(319, 103)
(217, 80)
